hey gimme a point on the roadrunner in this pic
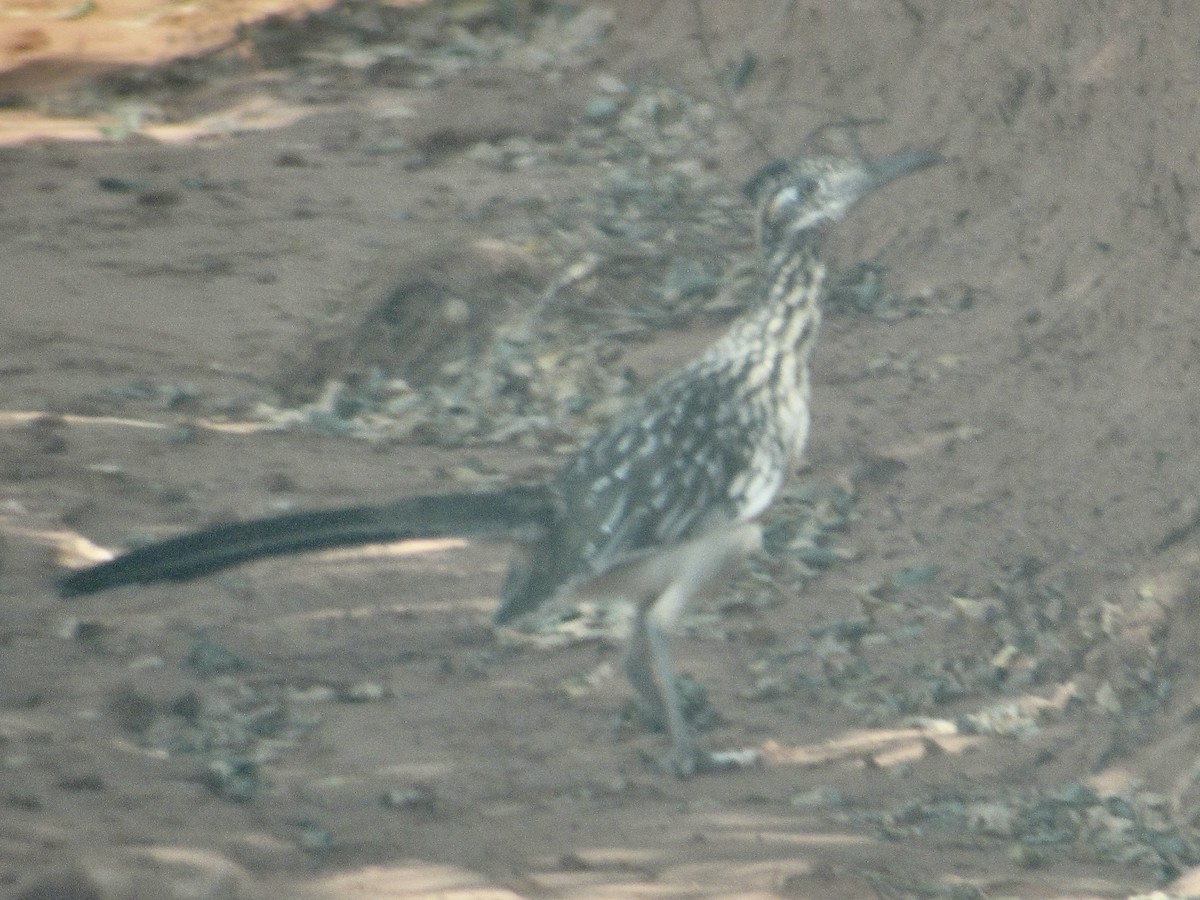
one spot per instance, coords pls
(658, 504)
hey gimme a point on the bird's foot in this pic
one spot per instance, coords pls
(686, 760)
(683, 760)
(649, 713)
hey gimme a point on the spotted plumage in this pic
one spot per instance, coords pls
(661, 501)
(713, 442)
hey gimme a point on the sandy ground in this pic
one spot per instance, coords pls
(1020, 440)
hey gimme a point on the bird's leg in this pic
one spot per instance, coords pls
(648, 665)
(648, 661)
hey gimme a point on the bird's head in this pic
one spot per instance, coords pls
(809, 192)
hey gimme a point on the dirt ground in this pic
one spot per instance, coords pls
(966, 657)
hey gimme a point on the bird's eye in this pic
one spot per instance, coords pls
(770, 174)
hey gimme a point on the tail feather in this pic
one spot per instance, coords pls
(515, 511)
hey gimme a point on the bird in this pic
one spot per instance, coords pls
(664, 501)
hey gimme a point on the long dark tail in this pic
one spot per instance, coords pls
(521, 511)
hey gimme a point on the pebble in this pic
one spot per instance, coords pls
(601, 110)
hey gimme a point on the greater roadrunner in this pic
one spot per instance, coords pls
(657, 504)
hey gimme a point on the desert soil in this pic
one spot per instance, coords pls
(241, 258)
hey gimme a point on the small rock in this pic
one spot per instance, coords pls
(315, 839)
(600, 110)
(207, 658)
(996, 819)
(318, 693)
(456, 312)
(823, 796)
(364, 692)
(611, 84)
(236, 780)
(418, 798)
(1027, 857)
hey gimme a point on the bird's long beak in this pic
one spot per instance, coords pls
(880, 171)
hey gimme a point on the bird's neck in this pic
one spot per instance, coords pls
(794, 285)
